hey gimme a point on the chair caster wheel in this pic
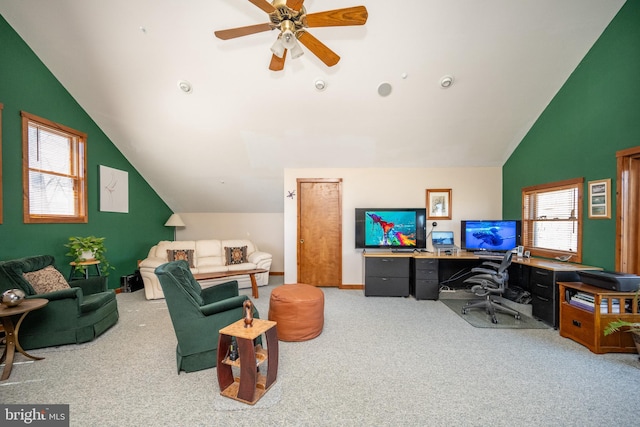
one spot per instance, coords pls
(464, 311)
(494, 320)
(518, 317)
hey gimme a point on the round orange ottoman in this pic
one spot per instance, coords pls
(299, 311)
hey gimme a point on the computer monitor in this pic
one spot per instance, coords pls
(442, 238)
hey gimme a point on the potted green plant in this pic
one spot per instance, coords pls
(87, 249)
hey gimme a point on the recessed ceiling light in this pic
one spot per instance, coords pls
(185, 86)
(446, 81)
(384, 89)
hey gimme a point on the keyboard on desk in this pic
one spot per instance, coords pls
(489, 254)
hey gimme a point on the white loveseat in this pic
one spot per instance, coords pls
(208, 257)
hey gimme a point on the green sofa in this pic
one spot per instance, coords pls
(74, 315)
(198, 314)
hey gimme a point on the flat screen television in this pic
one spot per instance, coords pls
(391, 228)
(490, 235)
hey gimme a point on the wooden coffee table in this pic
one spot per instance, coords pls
(11, 331)
(218, 275)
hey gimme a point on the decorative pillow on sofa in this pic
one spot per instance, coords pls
(178, 254)
(235, 255)
(46, 280)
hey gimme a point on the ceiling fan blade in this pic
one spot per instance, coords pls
(326, 55)
(277, 63)
(295, 4)
(264, 5)
(356, 15)
(232, 33)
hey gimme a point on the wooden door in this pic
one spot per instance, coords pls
(627, 212)
(320, 231)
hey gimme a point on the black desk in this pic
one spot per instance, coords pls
(428, 272)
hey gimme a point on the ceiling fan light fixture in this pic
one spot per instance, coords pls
(296, 51)
(278, 48)
(289, 39)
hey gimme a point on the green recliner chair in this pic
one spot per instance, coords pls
(73, 315)
(198, 314)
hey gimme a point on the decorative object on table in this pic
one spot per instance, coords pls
(247, 306)
(599, 199)
(439, 204)
(114, 190)
(89, 248)
(292, 21)
(13, 297)
(564, 258)
(233, 351)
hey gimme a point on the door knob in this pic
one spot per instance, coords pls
(301, 240)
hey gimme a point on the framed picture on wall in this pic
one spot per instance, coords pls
(114, 190)
(439, 204)
(599, 199)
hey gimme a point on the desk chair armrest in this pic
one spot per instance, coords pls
(224, 305)
(484, 271)
(491, 264)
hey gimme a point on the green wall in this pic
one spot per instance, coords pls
(595, 114)
(26, 84)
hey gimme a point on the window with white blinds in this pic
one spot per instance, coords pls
(552, 219)
(54, 167)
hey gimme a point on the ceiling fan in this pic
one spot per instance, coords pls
(291, 18)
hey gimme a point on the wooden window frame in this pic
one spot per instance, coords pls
(627, 215)
(527, 223)
(79, 159)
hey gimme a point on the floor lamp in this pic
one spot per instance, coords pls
(174, 221)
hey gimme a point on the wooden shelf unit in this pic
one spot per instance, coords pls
(251, 385)
(587, 327)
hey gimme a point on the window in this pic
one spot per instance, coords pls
(552, 219)
(54, 172)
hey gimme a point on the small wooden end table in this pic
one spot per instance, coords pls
(86, 264)
(218, 275)
(11, 331)
(251, 385)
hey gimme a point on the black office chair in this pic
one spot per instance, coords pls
(491, 279)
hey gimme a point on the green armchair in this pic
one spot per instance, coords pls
(73, 315)
(198, 314)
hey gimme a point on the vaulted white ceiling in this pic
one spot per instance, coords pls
(223, 147)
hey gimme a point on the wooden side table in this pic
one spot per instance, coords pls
(586, 325)
(86, 264)
(11, 331)
(251, 385)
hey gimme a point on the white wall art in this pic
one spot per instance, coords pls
(114, 190)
